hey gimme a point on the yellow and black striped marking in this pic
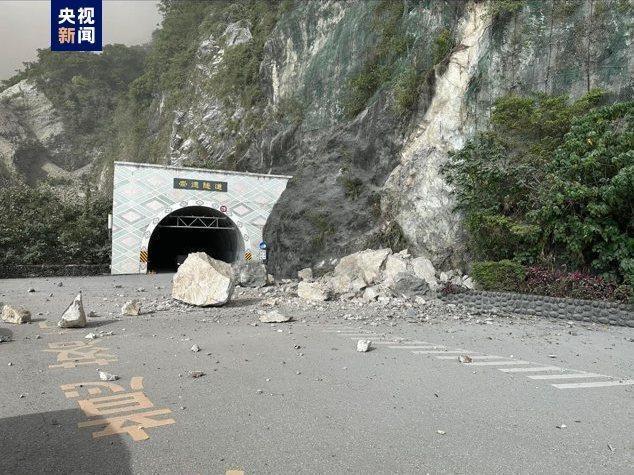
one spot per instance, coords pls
(143, 256)
(248, 256)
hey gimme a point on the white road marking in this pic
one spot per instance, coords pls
(595, 384)
(413, 347)
(568, 376)
(357, 335)
(431, 352)
(531, 370)
(352, 330)
(496, 363)
(393, 342)
(473, 357)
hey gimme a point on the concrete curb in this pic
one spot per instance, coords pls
(597, 311)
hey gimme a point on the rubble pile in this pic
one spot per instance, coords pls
(372, 275)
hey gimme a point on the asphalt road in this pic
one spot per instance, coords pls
(297, 398)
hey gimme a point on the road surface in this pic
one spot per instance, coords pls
(540, 396)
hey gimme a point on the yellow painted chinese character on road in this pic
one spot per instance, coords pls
(194, 184)
(133, 417)
(206, 185)
(182, 183)
(219, 186)
(71, 354)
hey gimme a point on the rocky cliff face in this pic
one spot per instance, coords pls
(31, 133)
(361, 101)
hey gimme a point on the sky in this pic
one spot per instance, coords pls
(25, 27)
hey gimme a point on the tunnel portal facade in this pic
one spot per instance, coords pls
(161, 213)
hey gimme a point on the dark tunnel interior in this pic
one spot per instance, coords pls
(193, 229)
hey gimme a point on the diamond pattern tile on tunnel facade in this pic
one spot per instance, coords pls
(144, 192)
(131, 216)
(241, 210)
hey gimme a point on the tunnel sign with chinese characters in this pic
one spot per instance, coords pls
(76, 25)
(203, 185)
(144, 194)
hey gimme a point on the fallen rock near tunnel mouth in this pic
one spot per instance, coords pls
(203, 281)
(15, 315)
(74, 316)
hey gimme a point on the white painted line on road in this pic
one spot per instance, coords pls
(595, 384)
(396, 342)
(473, 357)
(345, 332)
(531, 370)
(496, 363)
(413, 347)
(431, 352)
(356, 335)
(568, 376)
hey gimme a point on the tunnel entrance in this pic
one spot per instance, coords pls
(193, 229)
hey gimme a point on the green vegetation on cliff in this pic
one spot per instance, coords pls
(85, 89)
(40, 228)
(551, 182)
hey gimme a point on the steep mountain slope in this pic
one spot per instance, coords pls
(361, 101)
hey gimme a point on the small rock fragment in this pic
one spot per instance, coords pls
(92, 314)
(17, 315)
(74, 316)
(131, 308)
(441, 432)
(305, 274)
(31, 290)
(465, 359)
(196, 374)
(91, 336)
(195, 348)
(105, 376)
(561, 426)
(363, 346)
(274, 317)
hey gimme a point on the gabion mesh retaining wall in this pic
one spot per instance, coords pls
(611, 313)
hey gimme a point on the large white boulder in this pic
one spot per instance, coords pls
(356, 271)
(394, 265)
(424, 269)
(17, 315)
(74, 316)
(203, 281)
(312, 291)
(365, 264)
